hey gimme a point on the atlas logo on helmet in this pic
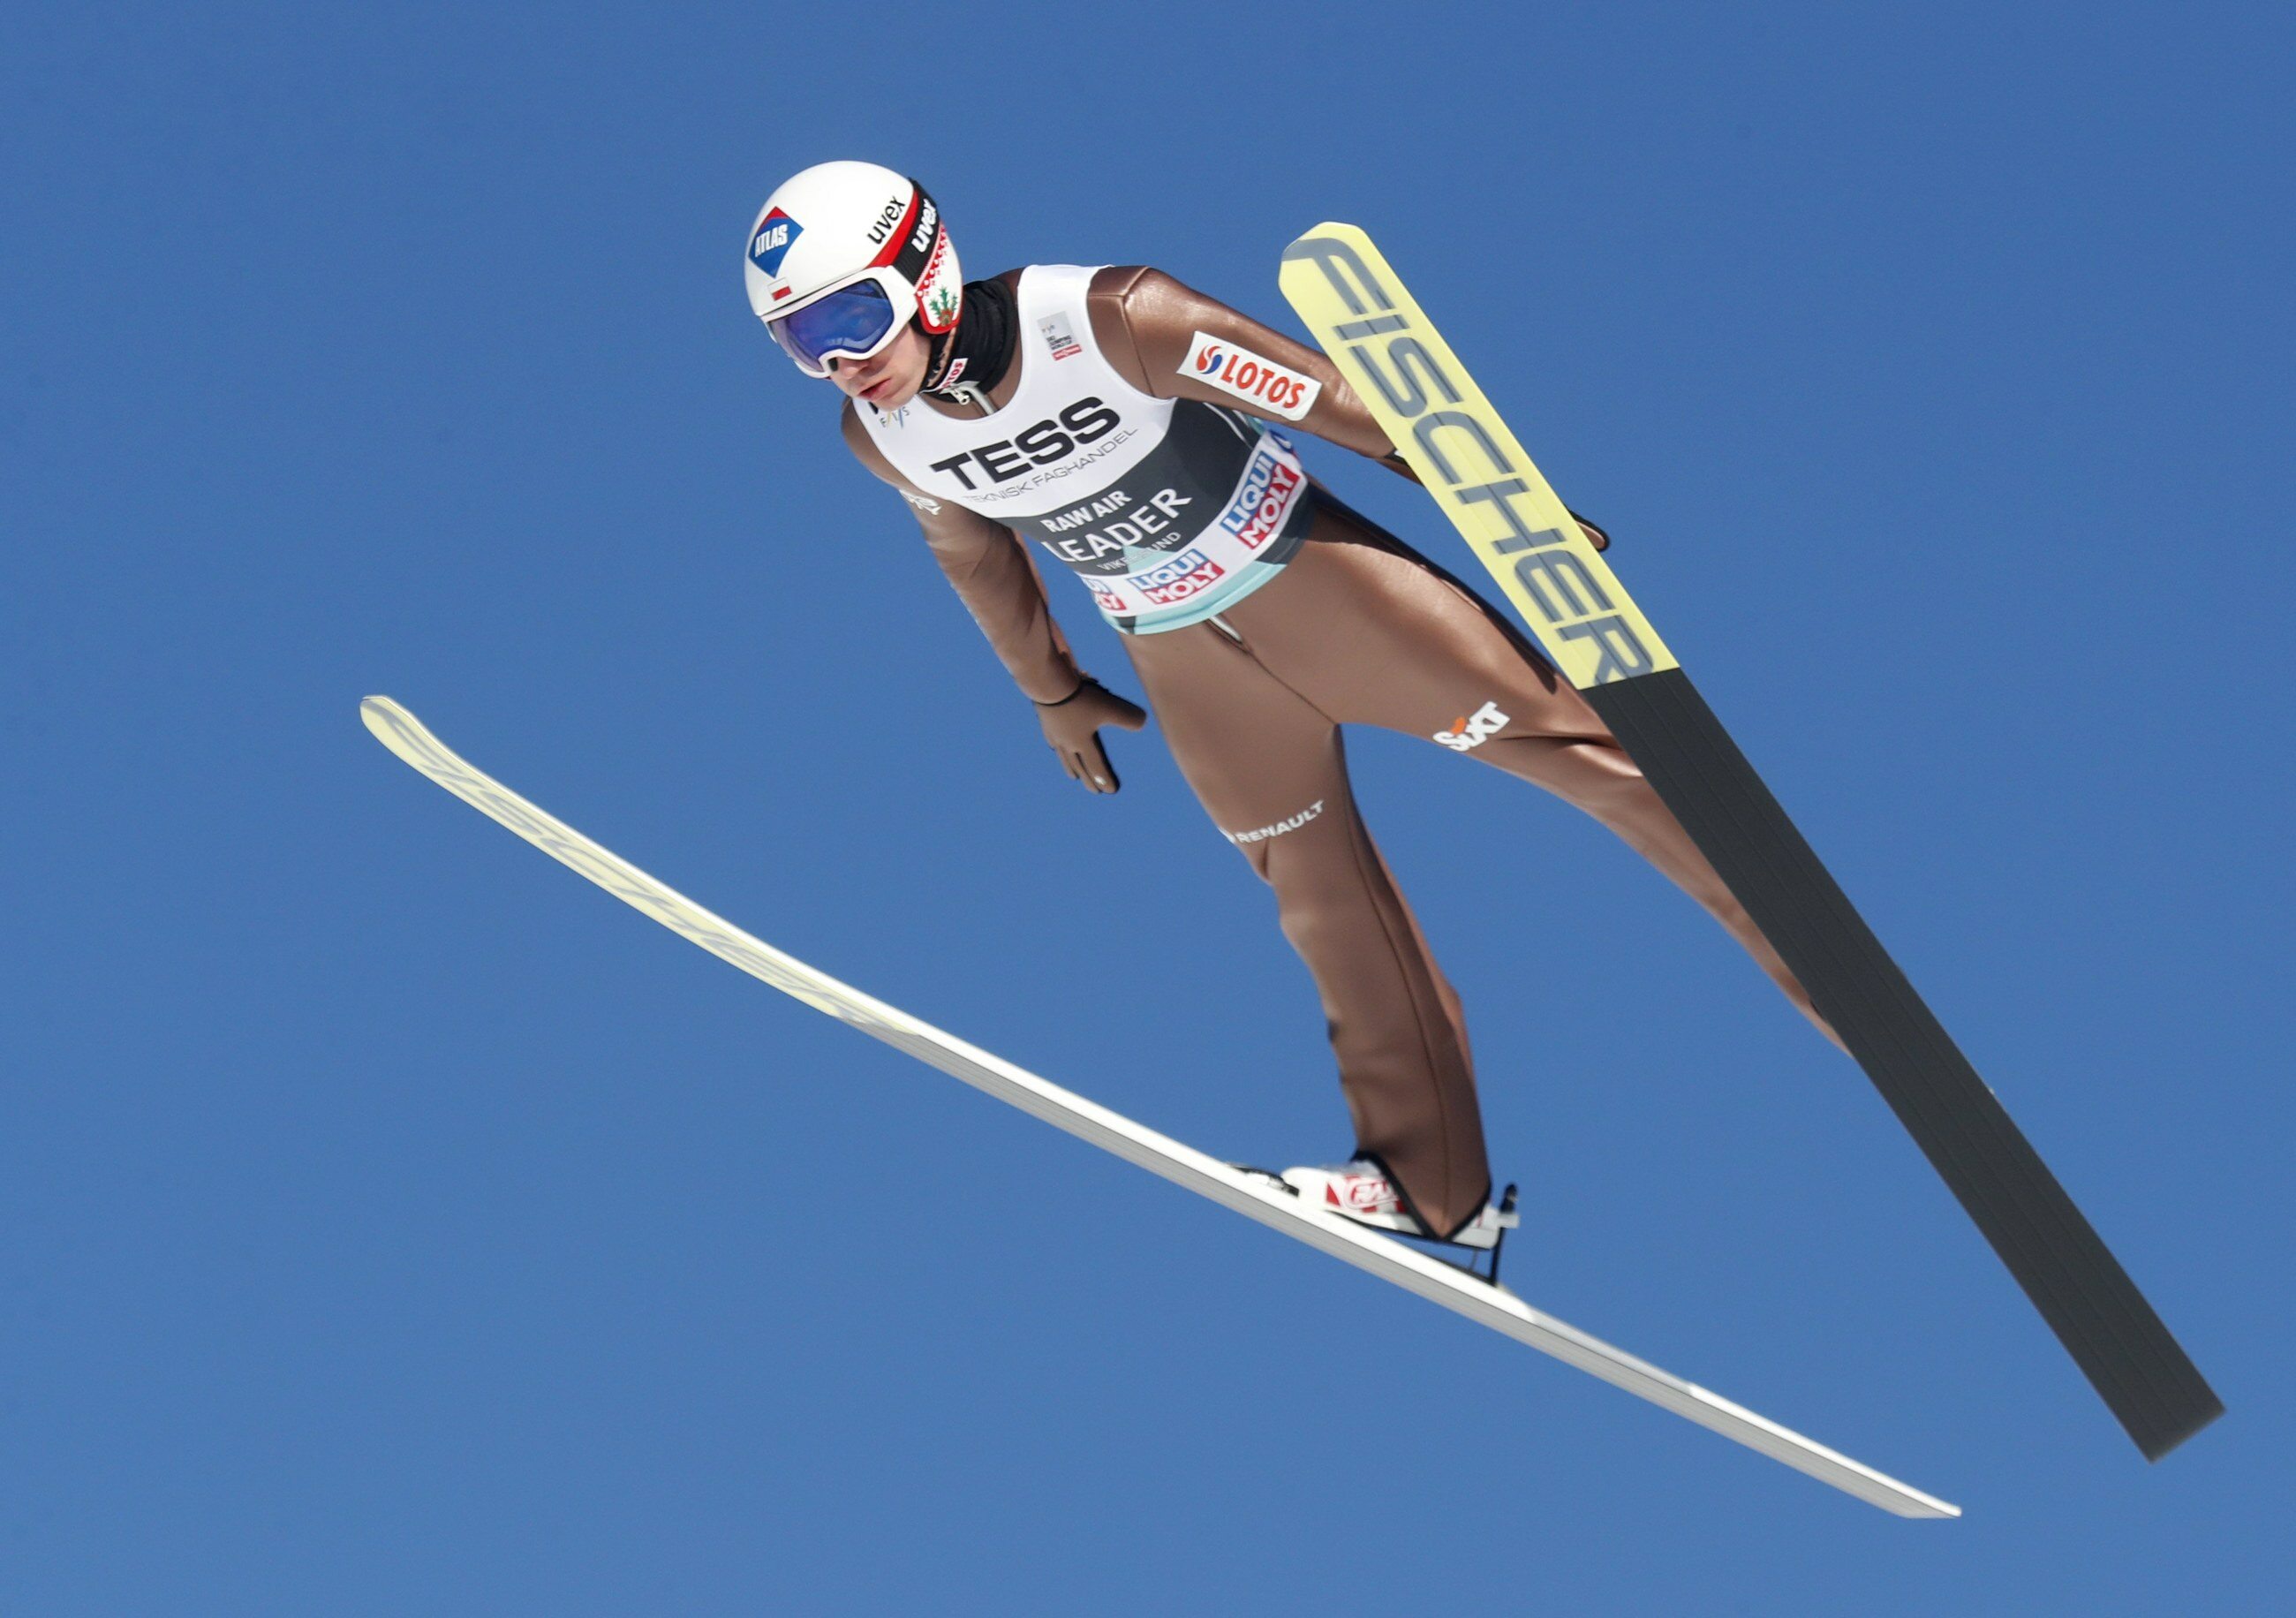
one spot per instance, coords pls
(776, 232)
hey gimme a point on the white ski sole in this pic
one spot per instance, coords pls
(1445, 1283)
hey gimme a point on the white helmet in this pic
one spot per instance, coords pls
(842, 256)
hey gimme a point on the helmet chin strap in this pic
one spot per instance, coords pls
(943, 353)
(971, 356)
(939, 364)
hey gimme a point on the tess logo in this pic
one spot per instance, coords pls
(1468, 734)
(1038, 445)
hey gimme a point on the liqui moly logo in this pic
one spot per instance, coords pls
(1465, 734)
(1257, 514)
(1106, 599)
(1277, 388)
(1189, 573)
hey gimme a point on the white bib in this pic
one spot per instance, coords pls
(1170, 510)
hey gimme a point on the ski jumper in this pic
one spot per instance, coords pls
(1132, 435)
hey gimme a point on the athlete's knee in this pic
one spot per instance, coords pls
(1259, 844)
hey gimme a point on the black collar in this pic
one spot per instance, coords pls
(978, 353)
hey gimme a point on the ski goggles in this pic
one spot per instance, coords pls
(854, 322)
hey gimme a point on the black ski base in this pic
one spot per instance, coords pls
(2114, 1334)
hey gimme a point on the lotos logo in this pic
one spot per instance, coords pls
(776, 232)
(1262, 500)
(1274, 388)
(1466, 735)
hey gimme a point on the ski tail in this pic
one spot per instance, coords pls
(2120, 1344)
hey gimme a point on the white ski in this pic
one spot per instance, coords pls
(1482, 1302)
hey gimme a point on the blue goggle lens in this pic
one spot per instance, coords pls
(855, 320)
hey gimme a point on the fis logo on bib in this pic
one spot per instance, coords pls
(1189, 573)
(1248, 376)
(1058, 338)
(1262, 501)
(775, 232)
(1468, 734)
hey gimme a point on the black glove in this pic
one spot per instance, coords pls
(1072, 726)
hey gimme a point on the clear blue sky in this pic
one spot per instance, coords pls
(389, 1222)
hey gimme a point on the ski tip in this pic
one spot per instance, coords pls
(378, 712)
(1327, 230)
(401, 731)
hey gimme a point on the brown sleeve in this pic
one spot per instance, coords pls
(1145, 322)
(993, 574)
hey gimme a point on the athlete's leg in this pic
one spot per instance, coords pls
(1270, 771)
(1421, 654)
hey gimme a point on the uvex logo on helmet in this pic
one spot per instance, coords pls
(888, 216)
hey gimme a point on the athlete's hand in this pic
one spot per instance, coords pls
(1596, 537)
(1072, 726)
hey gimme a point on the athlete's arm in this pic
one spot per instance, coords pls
(992, 575)
(1147, 324)
(996, 579)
